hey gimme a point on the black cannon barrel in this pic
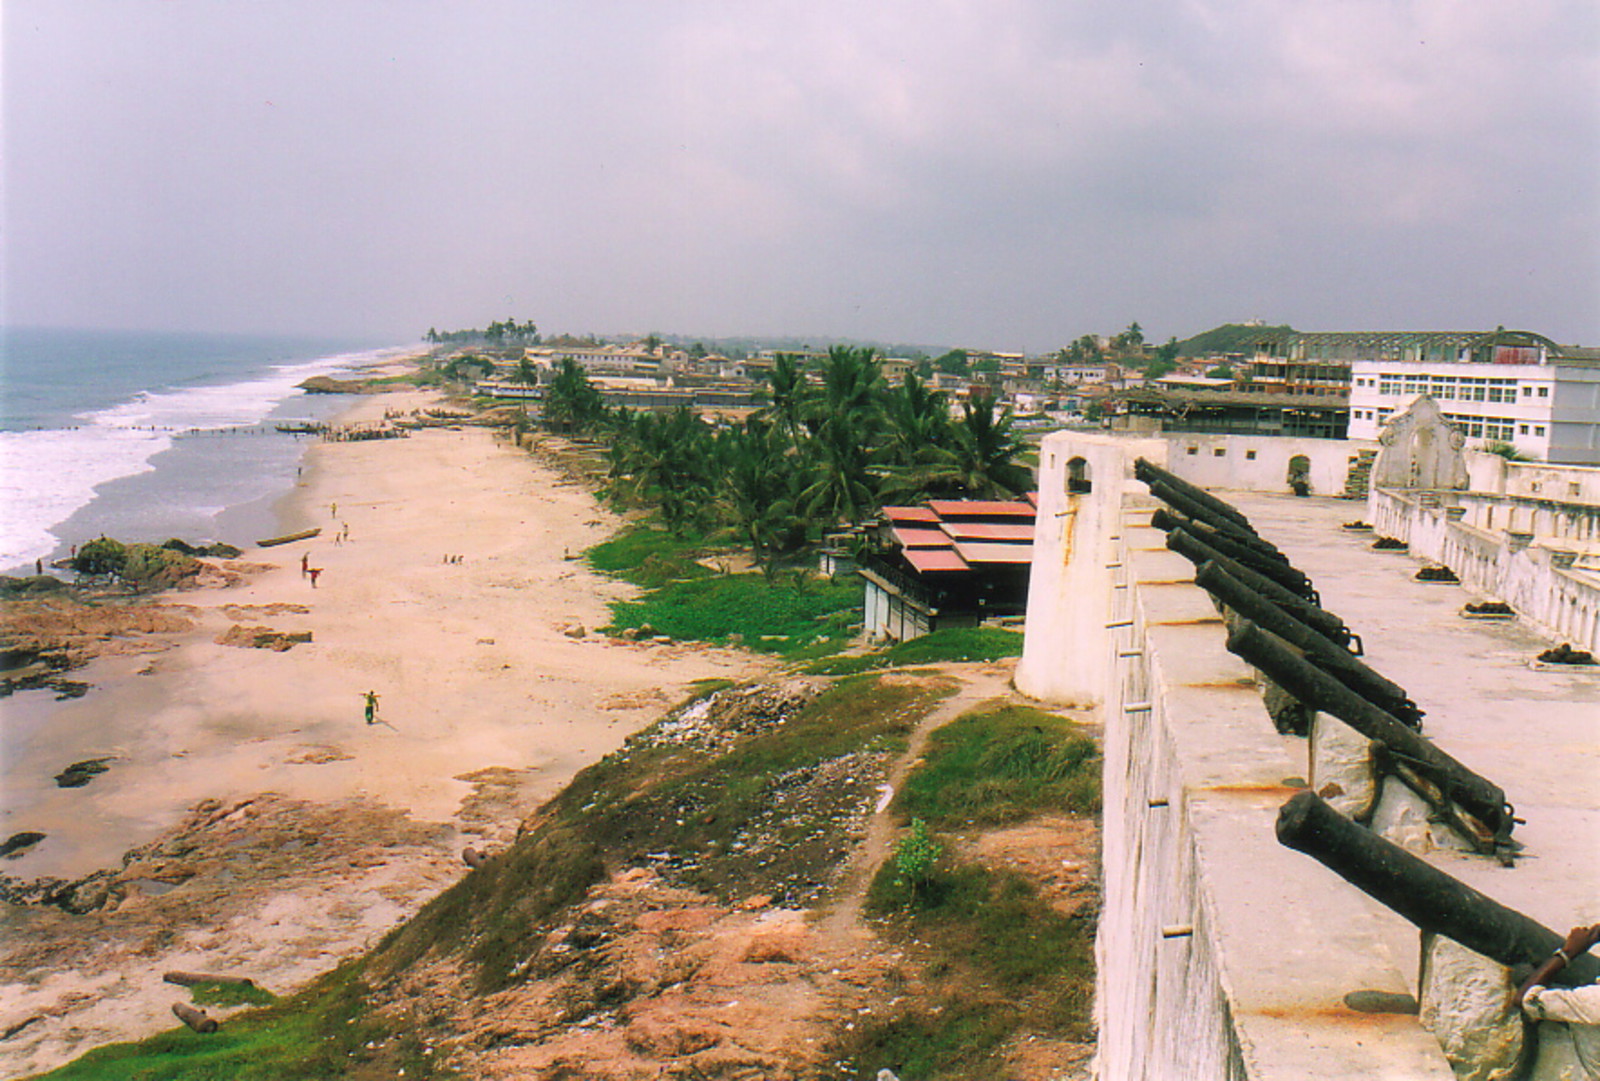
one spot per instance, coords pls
(1146, 470)
(1181, 502)
(1481, 798)
(1335, 660)
(1279, 570)
(1197, 552)
(1259, 547)
(1420, 892)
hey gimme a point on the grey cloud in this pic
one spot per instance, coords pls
(1011, 173)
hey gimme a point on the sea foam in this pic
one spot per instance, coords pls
(47, 475)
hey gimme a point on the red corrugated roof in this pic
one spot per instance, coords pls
(980, 552)
(980, 508)
(909, 514)
(929, 560)
(989, 531)
(1033, 500)
(919, 537)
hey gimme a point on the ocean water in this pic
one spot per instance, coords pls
(145, 436)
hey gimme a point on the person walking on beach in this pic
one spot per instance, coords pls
(305, 563)
(372, 706)
(315, 573)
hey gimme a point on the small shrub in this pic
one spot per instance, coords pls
(915, 856)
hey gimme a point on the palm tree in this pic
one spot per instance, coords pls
(570, 400)
(918, 421)
(979, 463)
(758, 489)
(844, 417)
(986, 449)
(790, 392)
(673, 464)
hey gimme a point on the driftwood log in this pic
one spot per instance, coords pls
(195, 1019)
(189, 979)
(1420, 892)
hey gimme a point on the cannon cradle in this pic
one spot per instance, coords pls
(1473, 805)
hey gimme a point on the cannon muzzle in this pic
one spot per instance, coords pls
(1420, 892)
(1148, 471)
(1275, 566)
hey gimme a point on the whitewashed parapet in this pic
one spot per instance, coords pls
(1534, 574)
(1221, 953)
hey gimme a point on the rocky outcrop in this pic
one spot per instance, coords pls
(262, 638)
(324, 384)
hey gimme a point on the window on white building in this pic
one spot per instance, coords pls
(1538, 429)
(1544, 392)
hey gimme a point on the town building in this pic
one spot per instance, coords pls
(948, 563)
(1508, 387)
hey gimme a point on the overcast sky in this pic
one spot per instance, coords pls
(1000, 173)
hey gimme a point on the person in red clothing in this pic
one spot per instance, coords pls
(315, 573)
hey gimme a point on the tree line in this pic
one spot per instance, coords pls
(500, 332)
(832, 445)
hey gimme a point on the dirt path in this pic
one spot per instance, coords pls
(980, 683)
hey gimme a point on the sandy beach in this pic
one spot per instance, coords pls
(454, 601)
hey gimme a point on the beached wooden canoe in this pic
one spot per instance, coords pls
(304, 534)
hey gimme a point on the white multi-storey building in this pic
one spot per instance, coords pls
(1506, 387)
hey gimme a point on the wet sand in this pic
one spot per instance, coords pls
(476, 660)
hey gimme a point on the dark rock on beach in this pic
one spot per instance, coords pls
(81, 773)
(215, 550)
(18, 843)
(30, 586)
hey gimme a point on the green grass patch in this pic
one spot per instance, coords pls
(650, 557)
(322, 1032)
(1003, 765)
(786, 618)
(953, 644)
(210, 993)
(959, 1041)
(1005, 963)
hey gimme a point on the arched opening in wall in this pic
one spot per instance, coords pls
(1078, 476)
(1299, 478)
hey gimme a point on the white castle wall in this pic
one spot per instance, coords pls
(1256, 463)
(1221, 953)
